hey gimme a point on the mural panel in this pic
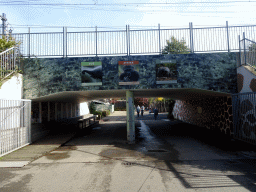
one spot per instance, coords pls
(128, 72)
(91, 73)
(166, 72)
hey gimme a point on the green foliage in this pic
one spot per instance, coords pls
(105, 113)
(120, 108)
(92, 108)
(175, 47)
(6, 44)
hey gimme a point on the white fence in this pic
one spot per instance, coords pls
(130, 41)
(15, 125)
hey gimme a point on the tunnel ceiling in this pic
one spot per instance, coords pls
(83, 96)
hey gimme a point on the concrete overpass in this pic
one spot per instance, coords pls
(201, 84)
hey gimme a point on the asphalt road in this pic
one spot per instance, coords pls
(167, 156)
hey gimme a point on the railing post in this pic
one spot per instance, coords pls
(127, 40)
(191, 37)
(96, 43)
(244, 49)
(29, 42)
(159, 31)
(64, 42)
(227, 36)
(239, 51)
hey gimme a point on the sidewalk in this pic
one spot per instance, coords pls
(29, 153)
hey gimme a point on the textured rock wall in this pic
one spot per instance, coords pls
(216, 71)
(212, 113)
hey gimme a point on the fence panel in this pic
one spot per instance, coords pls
(144, 41)
(81, 43)
(132, 42)
(244, 116)
(15, 125)
(210, 39)
(111, 42)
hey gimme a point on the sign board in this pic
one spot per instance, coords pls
(128, 72)
(91, 73)
(166, 72)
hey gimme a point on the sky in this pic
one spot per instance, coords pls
(84, 15)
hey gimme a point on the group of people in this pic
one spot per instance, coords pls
(142, 108)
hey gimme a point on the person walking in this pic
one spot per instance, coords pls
(155, 111)
(138, 110)
(142, 110)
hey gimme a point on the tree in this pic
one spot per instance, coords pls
(175, 46)
(7, 43)
(141, 101)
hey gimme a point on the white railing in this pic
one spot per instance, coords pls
(247, 52)
(130, 41)
(15, 125)
(8, 62)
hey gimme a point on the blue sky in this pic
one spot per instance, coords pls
(116, 14)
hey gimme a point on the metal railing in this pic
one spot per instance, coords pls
(130, 42)
(15, 125)
(244, 116)
(8, 62)
(247, 52)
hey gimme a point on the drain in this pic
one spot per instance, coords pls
(157, 151)
(126, 163)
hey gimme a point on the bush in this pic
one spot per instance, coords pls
(99, 113)
(92, 108)
(108, 112)
(104, 113)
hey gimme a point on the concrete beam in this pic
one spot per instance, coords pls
(130, 117)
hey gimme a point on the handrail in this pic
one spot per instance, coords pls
(8, 62)
(7, 50)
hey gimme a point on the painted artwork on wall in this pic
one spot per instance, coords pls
(166, 72)
(91, 73)
(128, 72)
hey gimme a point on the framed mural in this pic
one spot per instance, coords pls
(91, 73)
(166, 72)
(128, 72)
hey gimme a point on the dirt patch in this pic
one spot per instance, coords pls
(57, 156)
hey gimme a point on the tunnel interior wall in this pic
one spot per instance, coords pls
(55, 118)
(213, 113)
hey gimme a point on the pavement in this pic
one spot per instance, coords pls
(167, 156)
(41, 147)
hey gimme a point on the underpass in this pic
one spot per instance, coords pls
(102, 160)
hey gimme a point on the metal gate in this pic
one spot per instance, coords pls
(244, 116)
(15, 125)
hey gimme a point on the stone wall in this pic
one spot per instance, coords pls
(213, 113)
(215, 71)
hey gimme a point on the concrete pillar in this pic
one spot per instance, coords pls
(130, 117)
(40, 112)
(49, 112)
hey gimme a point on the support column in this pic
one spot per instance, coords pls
(130, 117)
(40, 112)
